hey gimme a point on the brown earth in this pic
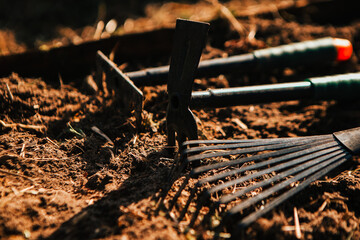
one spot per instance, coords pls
(59, 179)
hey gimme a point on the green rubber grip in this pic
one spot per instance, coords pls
(295, 54)
(343, 86)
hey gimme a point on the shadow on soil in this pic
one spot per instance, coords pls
(101, 219)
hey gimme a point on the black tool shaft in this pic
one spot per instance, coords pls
(302, 53)
(159, 75)
(227, 97)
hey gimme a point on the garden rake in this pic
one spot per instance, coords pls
(237, 177)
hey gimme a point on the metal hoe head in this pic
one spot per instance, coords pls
(232, 186)
(189, 41)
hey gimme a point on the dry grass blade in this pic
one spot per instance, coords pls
(297, 224)
(230, 17)
(9, 92)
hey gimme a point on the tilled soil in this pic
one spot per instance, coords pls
(59, 179)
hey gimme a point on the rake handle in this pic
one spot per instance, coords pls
(291, 55)
(344, 86)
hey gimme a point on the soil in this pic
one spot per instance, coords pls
(60, 179)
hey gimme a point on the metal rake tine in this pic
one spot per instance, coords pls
(273, 154)
(190, 198)
(307, 165)
(167, 189)
(268, 192)
(183, 159)
(231, 146)
(232, 141)
(230, 197)
(241, 151)
(207, 193)
(310, 155)
(335, 162)
(178, 164)
(218, 165)
(217, 188)
(296, 155)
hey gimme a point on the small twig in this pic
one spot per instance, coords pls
(323, 205)
(297, 224)
(15, 191)
(22, 152)
(135, 138)
(51, 141)
(23, 126)
(239, 123)
(16, 174)
(78, 147)
(26, 189)
(9, 92)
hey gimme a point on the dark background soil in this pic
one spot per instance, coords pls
(61, 180)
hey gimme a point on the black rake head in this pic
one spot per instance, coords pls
(241, 180)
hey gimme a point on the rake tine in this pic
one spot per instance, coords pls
(175, 168)
(230, 197)
(231, 146)
(198, 185)
(205, 168)
(251, 201)
(297, 156)
(217, 188)
(171, 179)
(330, 165)
(293, 162)
(303, 160)
(246, 221)
(232, 141)
(244, 151)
